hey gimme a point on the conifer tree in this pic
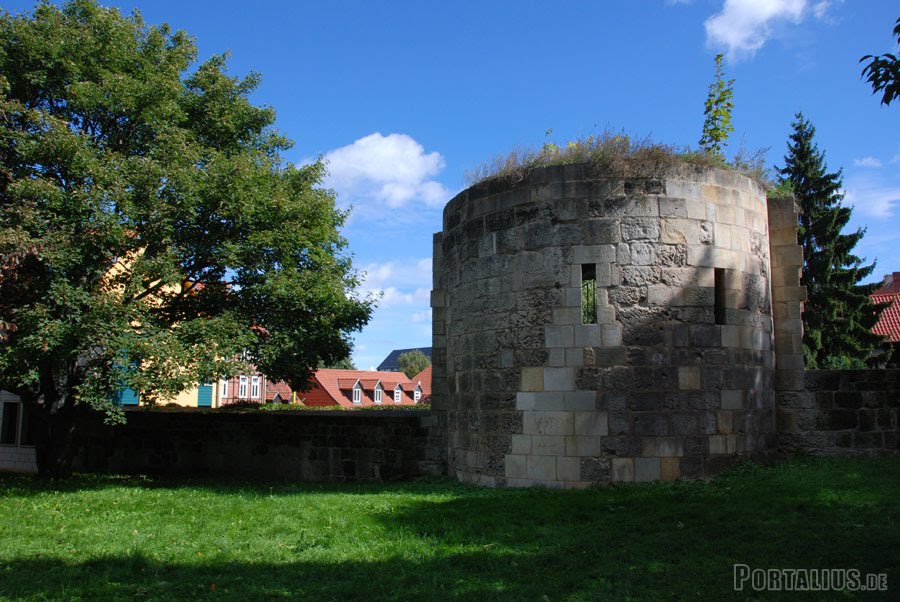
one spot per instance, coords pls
(838, 315)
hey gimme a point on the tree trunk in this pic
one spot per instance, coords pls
(56, 442)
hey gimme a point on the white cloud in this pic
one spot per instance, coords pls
(393, 296)
(421, 316)
(399, 282)
(867, 162)
(820, 9)
(895, 159)
(873, 197)
(744, 26)
(391, 170)
(412, 273)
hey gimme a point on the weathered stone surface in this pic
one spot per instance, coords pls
(654, 377)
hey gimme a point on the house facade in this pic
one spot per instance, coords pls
(888, 324)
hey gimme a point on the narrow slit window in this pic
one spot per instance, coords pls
(588, 293)
(720, 295)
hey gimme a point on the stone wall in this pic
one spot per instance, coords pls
(674, 378)
(841, 413)
(336, 446)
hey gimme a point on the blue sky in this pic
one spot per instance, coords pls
(402, 98)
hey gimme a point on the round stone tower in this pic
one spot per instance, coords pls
(599, 328)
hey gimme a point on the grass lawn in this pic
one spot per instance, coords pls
(116, 538)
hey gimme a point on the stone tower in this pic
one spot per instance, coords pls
(595, 328)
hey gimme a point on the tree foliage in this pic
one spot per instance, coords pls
(150, 229)
(838, 315)
(883, 72)
(413, 362)
(717, 111)
(343, 364)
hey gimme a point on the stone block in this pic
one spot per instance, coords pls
(556, 357)
(591, 423)
(574, 357)
(610, 335)
(587, 335)
(516, 483)
(731, 336)
(648, 424)
(515, 466)
(646, 469)
(525, 400)
(689, 377)
(595, 470)
(559, 335)
(732, 399)
(559, 379)
(521, 444)
(548, 445)
(662, 446)
(669, 469)
(640, 229)
(583, 254)
(623, 470)
(643, 253)
(584, 446)
(580, 400)
(663, 295)
(548, 401)
(547, 423)
(725, 421)
(602, 231)
(568, 469)
(567, 315)
(541, 468)
(532, 379)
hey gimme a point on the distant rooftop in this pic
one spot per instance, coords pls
(390, 363)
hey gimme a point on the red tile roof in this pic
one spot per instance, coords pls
(424, 378)
(281, 388)
(889, 322)
(335, 387)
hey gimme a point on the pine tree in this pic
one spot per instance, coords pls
(717, 124)
(838, 315)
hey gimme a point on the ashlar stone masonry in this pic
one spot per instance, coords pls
(671, 376)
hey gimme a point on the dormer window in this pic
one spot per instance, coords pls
(378, 393)
(357, 393)
(398, 394)
(417, 395)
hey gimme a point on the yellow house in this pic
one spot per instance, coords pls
(204, 395)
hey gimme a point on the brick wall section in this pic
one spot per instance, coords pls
(302, 446)
(842, 413)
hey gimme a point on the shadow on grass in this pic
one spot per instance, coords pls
(636, 542)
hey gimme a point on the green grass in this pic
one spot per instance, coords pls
(115, 538)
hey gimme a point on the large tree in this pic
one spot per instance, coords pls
(149, 228)
(883, 72)
(413, 362)
(838, 315)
